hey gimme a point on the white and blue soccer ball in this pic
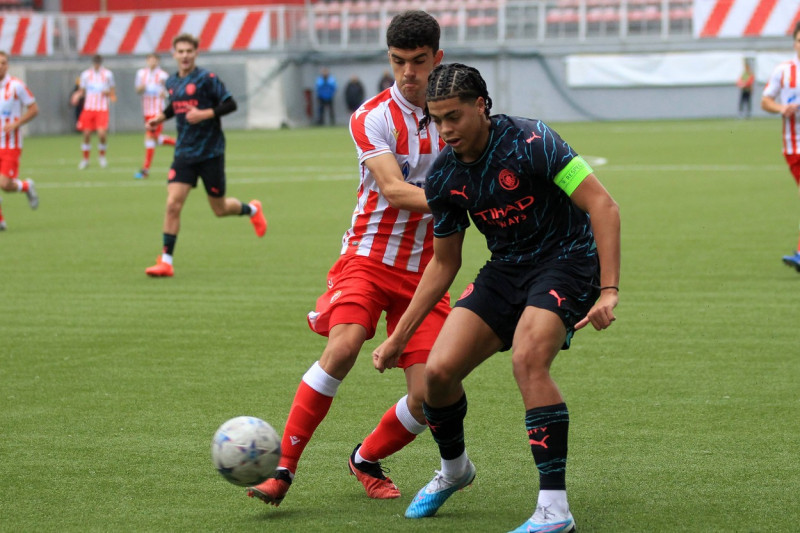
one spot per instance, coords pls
(246, 450)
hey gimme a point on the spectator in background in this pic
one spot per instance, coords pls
(385, 82)
(745, 84)
(354, 93)
(78, 105)
(326, 90)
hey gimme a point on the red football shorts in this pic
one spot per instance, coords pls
(794, 166)
(359, 289)
(92, 120)
(9, 162)
(154, 132)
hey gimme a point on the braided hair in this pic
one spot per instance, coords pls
(454, 80)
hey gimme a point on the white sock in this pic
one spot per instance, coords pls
(406, 418)
(554, 501)
(253, 209)
(455, 468)
(359, 459)
(319, 380)
(166, 258)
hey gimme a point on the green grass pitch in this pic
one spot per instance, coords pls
(684, 413)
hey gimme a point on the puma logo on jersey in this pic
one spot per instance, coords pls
(462, 192)
(533, 137)
(556, 296)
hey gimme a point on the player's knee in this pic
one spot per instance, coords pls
(174, 207)
(530, 364)
(438, 378)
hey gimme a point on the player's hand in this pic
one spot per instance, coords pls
(601, 315)
(194, 115)
(11, 126)
(387, 354)
(789, 110)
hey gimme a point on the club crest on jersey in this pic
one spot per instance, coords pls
(508, 180)
(191, 88)
(406, 170)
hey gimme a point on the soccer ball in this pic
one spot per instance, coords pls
(246, 450)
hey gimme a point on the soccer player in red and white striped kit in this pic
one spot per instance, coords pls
(383, 255)
(98, 89)
(149, 83)
(782, 96)
(17, 107)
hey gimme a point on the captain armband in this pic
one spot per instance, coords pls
(573, 175)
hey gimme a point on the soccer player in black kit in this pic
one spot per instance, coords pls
(197, 100)
(554, 236)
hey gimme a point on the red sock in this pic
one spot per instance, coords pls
(1, 215)
(166, 139)
(308, 410)
(86, 154)
(148, 157)
(25, 186)
(798, 246)
(389, 437)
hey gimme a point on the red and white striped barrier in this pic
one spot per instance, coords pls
(26, 35)
(141, 33)
(745, 18)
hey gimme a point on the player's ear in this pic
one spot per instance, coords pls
(437, 57)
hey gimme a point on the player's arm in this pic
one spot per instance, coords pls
(168, 113)
(591, 197)
(79, 93)
(399, 193)
(770, 105)
(195, 115)
(435, 280)
(30, 112)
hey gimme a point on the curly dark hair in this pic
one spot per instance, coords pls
(454, 80)
(413, 29)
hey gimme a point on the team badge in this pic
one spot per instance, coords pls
(508, 180)
(191, 88)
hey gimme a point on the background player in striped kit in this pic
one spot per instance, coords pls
(554, 236)
(382, 257)
(98, 90)
(15, 96)
(782, 96)
(150, 84)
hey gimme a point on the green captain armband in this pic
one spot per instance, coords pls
(573, 175)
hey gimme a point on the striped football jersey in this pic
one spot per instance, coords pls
(15, 97)
(388, 123)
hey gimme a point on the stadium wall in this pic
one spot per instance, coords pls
(277, 90)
